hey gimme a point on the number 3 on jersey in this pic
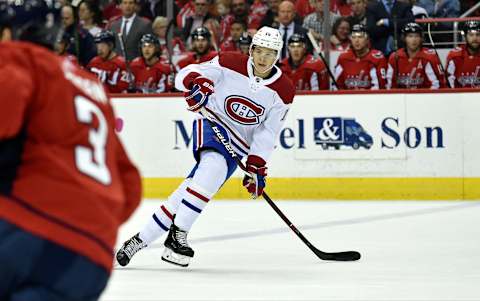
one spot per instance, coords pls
(92, 161)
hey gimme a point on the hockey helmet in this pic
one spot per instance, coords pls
(200, 33)
(471, 26)
(412, 28)
(149, 38)
(245, 39)
(359, 30)
(297, 38)
(105, 36)
(268, 37)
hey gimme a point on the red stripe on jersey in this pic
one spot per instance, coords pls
(167, 213)
(198, 195)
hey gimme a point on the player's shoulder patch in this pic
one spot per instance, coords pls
(429, 51)
(285, 89)
(234, 61)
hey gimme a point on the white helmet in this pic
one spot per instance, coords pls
(268, 37)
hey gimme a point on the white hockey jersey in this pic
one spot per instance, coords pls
(251, 109)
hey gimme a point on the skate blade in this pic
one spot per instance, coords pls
(174, 258)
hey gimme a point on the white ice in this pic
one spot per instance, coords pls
(412, 250)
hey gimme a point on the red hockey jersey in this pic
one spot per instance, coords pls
(229, 45)
(354, 73)
(310, 75)
(151, 79)
(64, 175)
(192, 58)
(112, 73)
(422, 71)
(463, 69)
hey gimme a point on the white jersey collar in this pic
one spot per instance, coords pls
(255, 81)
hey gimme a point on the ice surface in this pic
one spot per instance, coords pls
(412, 250)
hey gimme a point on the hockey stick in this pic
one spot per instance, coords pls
(336, 256)
(438, 56)
(318, 52)
(131, 84)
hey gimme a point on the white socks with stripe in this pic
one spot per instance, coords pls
(190, 198)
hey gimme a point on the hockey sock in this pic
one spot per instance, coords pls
(162, 218)
(207, 180)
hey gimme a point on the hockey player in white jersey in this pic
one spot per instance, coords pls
(248, 97)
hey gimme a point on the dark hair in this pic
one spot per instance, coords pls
(241, 22)
(94, 7)
(337, 24)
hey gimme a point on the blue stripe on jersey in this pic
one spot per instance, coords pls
(159, 223)
(196, 209)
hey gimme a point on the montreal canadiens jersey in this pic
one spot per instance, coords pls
(421, 71)
(251, 109)
(463, 68)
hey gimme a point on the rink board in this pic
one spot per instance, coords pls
(423, 146)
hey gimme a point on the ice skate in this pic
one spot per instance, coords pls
(129, 248)
(177, 250)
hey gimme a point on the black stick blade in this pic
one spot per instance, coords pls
(338, 256)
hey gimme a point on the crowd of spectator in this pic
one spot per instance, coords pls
(134, 48)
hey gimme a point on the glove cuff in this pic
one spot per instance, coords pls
(255, 161)
(188, 80)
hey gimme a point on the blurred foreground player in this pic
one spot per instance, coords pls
(414, 66)
(306, 72)
(66, 183)
(463, 63)
(249, 98)
(361, 68)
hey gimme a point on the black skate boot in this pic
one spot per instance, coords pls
(129, 248)
(177, 250)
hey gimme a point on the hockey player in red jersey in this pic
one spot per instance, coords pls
(237, 28)
(202, 48)
(150, 74)
(109, 67)
(66, 183)
(361, 68)
(463, 63)
(244, 43)
(306, 72)
(414, 66)
(248, 97)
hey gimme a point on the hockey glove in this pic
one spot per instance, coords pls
(255, 181)
(198, 95)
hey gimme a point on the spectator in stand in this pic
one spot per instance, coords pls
(428, 5)
(304, 7)
(447, 9)
(341, 7)
(159, 28)
(223, 8)
(109, 67)
(5, 22)
(340, 39)
(417, 11)
(240, 12)
(237, 28)
(83, 46)
(198, 19)
(414, 66)
(286, 18)
(150, 74)
(306, 72)
(463, 63)
(90, 17)
(381, 18)
(271, 16)
(202, 48)
(314, 22)
(131, 27)
(186, 10)
(244, 43)
(359, 12)
(361, 68)
(112, 11)
(257, 12)
(62, 44)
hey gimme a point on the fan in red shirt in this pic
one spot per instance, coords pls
(414, 66)
(463, 63)
(150, 74)
(202, 48)
(237, 28)
(361, 68)
(66, 183)
(306, 72)
(109, 67)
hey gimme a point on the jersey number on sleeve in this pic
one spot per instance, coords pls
(92, 161)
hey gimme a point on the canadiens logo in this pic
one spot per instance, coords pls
(243, 110)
